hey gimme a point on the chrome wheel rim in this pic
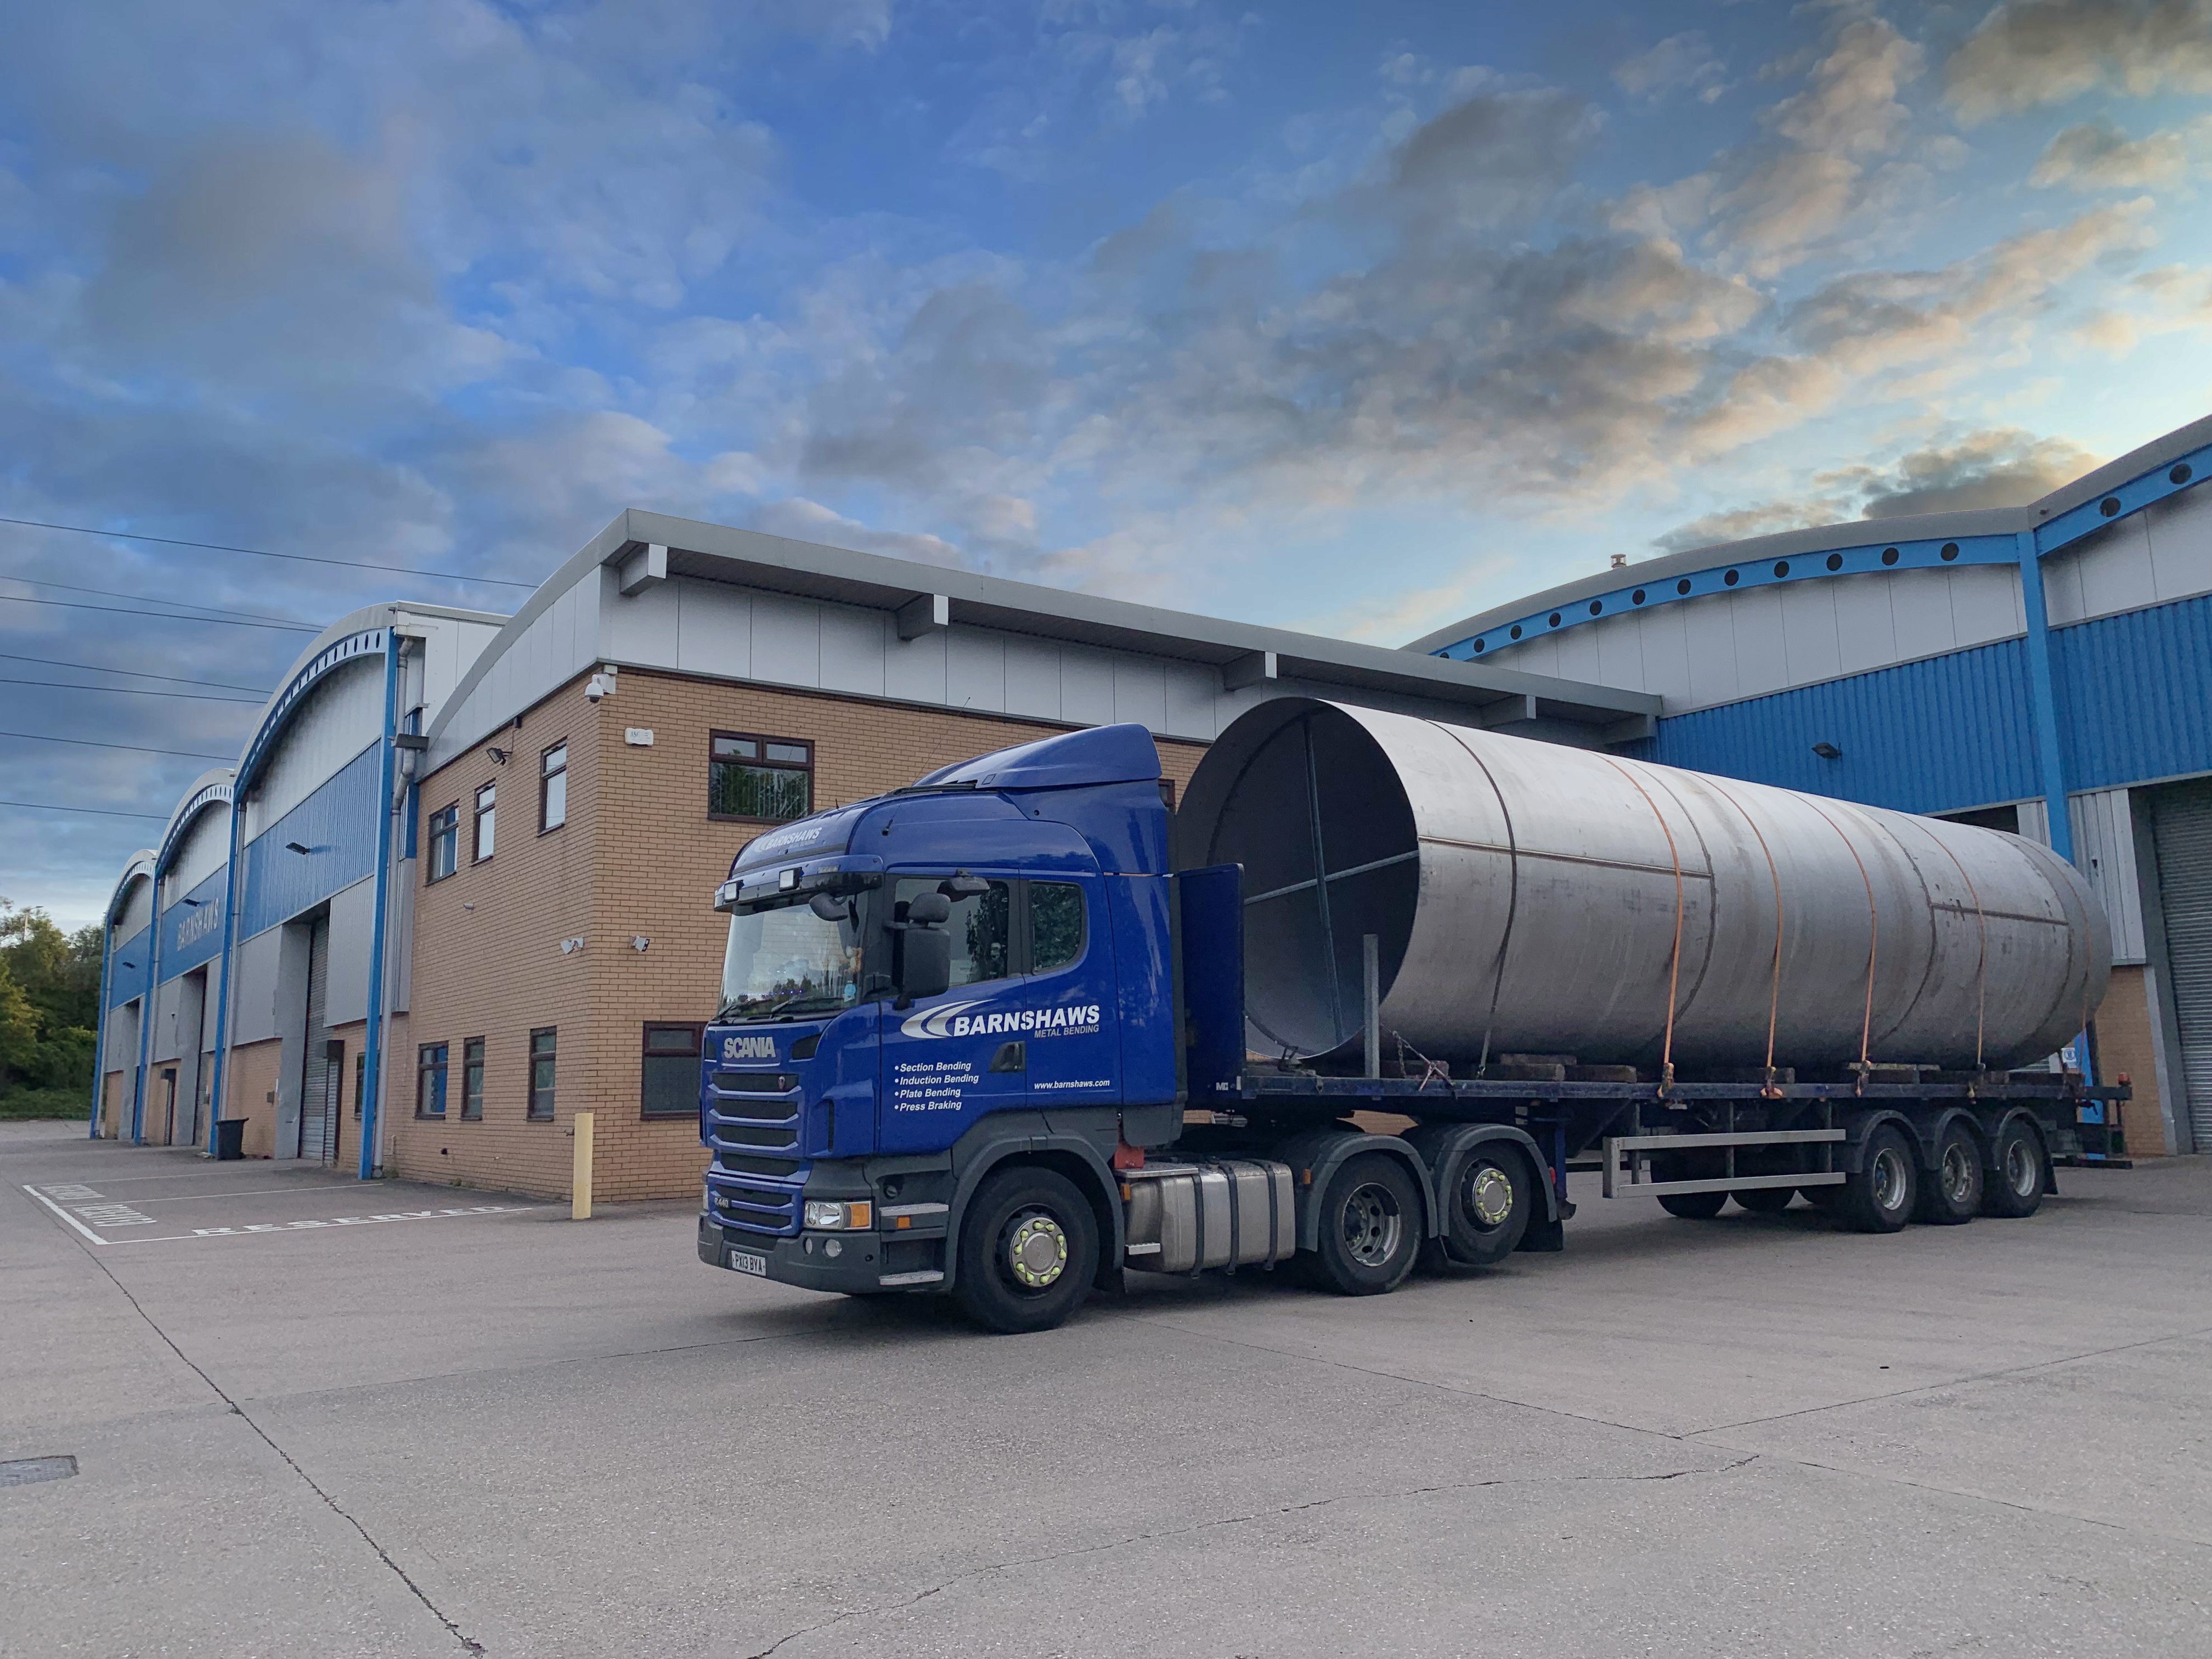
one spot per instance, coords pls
(1372, 1226)
(1486, 1197)
(1888, 1179)
(1958, 1174)
(2020, 1166)
(1036, 1250)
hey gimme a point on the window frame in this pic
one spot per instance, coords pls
(764, 764)
(425, 1069)
(552, 1057)
(647, 1055)
(432, 834)
(473, 1089)
(481, 817)
(545, 777)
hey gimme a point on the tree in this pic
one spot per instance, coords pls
(49, 1000)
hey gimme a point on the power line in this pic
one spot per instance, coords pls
(102, 811)
(134, 673)
(152, 598)
(160, 616)
(130, 690)
(135, 748)
(261, 553)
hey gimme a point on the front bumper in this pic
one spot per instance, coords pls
(803, 1260)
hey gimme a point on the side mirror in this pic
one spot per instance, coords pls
(829, 907)
(964, 885)
(929, 909)
(925, 960)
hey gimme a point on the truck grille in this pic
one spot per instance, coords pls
(749, 1114)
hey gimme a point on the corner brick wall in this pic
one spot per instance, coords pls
(639, 858)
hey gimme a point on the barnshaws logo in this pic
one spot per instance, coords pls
(952, 1019)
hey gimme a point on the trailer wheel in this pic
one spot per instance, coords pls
(1692, 1207)
(1880, 1198)
(1029, 1249)
(1765, 1201)
(2014, 1188)
(1370, 1225)
(1953, 1194)
(1487, 1201)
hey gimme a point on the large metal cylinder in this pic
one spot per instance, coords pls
(1531, 897)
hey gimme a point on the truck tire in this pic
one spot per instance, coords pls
(1951, 1194)
(1369, 1227)
(1692, 1207)
(1029, 1249)
(2014, 1188)
(1765, 1201)
(1487, 1199)
(1880, 1198)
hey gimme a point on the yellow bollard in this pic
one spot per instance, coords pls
(580, 1180)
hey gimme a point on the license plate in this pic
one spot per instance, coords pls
(745, 1261)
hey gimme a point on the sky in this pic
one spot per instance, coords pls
(1349, 318)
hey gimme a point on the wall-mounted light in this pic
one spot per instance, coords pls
(497, 756)
(467, 906)
(191, 904)
(1827, 751)
(569, 946)
(295, 847)
(639, 941)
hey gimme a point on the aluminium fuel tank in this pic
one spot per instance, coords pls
(1531, 897)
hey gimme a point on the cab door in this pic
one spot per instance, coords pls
(948, 1059)
(1073, 1047)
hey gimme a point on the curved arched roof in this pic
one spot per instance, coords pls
(210, 789)
(2177, 461)
(140, 868)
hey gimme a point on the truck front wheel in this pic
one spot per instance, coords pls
(1029, 1249)
(1370, 1225)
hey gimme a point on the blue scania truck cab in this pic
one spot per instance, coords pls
(980, 1037)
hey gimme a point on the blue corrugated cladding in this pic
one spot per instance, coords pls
(338, 823)
(2135, 693)
(1932, 736)
(128, 968)
(191, 933)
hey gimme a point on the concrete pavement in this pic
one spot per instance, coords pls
(311, 1417)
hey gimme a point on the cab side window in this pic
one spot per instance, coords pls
(1055, 925)
(981, 926)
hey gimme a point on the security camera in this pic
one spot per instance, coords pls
(596, 686)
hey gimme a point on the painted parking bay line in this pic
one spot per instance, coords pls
(282, 1226)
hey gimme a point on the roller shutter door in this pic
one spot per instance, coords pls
(2183, 834)
(314, 1065)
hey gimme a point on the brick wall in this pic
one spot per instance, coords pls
(639, 858)
(2123, 1044)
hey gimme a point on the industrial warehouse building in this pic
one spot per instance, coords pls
(523, 819)
(562, 790)
(2045, 670)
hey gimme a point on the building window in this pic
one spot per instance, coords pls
(473, 1078)
(430, 1080)
(553, 788)
(445, 841)
(1055, 925)
(541, 1073)
(672, 1070)
(359, 1080)
(487, 819)
(759, 779)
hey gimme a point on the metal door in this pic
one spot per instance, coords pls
(2183, 833)
(314, 1066)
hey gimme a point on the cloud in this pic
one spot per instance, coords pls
(1850, 104)
(2033, 53)
(1680, 64)
(804, 520)
(2097, 156)
(1999, 466)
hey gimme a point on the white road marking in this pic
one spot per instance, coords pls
(339, 1221)
(112, 1214)
(65, 1215)
(72, 1191)
(256, 1191)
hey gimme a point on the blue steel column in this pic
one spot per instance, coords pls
(230, 944)
(149, 1001)
(373, 1045)
(2043, 696)
(99, 1043)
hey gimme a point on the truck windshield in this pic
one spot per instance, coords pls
(789, 961)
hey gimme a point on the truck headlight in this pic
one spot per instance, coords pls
(830, 1215)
